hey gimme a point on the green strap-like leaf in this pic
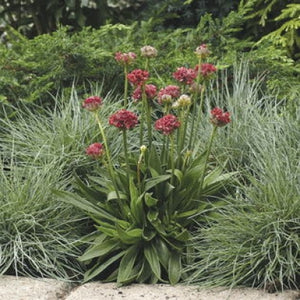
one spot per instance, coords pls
(153, 260)
(126, 265)
(136, 203)
(174, 269)
(149, 200)
(100, 249)
(155, 181)
(129, 236)
(163, 252)
(99, 268)
(82, 203)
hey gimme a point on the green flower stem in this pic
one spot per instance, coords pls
(201, 101)
(142, 120)
(163, 151)
(124, 133)
(147, 64)
(172, 169)
(125, 86)
(139, 163)
(183, 128)
(107, 153)
(195, 106)
(148, 117)
(213, 133)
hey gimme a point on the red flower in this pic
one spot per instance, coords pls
(92, 103)
(95, 150)
(168, 94)
(185, 75)
(138, 77)
(125, 58)
(206, 70)
(219, 118)
(150, 90)
(123, 119)
(167, 124)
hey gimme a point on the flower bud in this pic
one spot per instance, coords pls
(202, 51)
(92, 103)
(95, 150)
(148, 51)
(143, 149)
(219, 118)
(184, 100)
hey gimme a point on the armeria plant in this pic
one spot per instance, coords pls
(144, 205)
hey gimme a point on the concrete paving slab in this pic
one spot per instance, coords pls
(109, 291)
(23, 288)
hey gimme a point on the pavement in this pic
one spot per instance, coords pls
(23, 288)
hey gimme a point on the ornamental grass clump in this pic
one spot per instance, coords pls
(145, 202)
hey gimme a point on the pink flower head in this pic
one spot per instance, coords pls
(206, 69)
(95, 150)
(168, 94)
(185, 75)
(219, 118)
(125, 58)
(202, 51)
(92, 103)
(138, 77)
(150, 90)
(123, 119)
(167, 124)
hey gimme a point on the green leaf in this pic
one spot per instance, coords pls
(152, 182)
(99, 268)
(177, 173)
(108, 231)
(148, 234)
(145, 272)
(127, 264)
(214, 183)
(163, 252)
(83, 204)
(187, 214)
(149, 200)
(100, 249)
(113, 196)
(183, 236)
(136, 203)
(168, 188)
(152, 258)
(89, 193)
(130, 236)
(152, 215)
(154, 161)
(174, 269)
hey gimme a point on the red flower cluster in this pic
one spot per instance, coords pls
(95, 150)
(167, 124)
(170, 92)
(123, 119)
(185, 75)
(219, 118)
(206, 69)
(125, 58)
(92, 103)
(138, 77)
(150, 90)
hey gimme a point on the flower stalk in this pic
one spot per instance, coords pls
(212, 136)
(107, 153)
(125, 86)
